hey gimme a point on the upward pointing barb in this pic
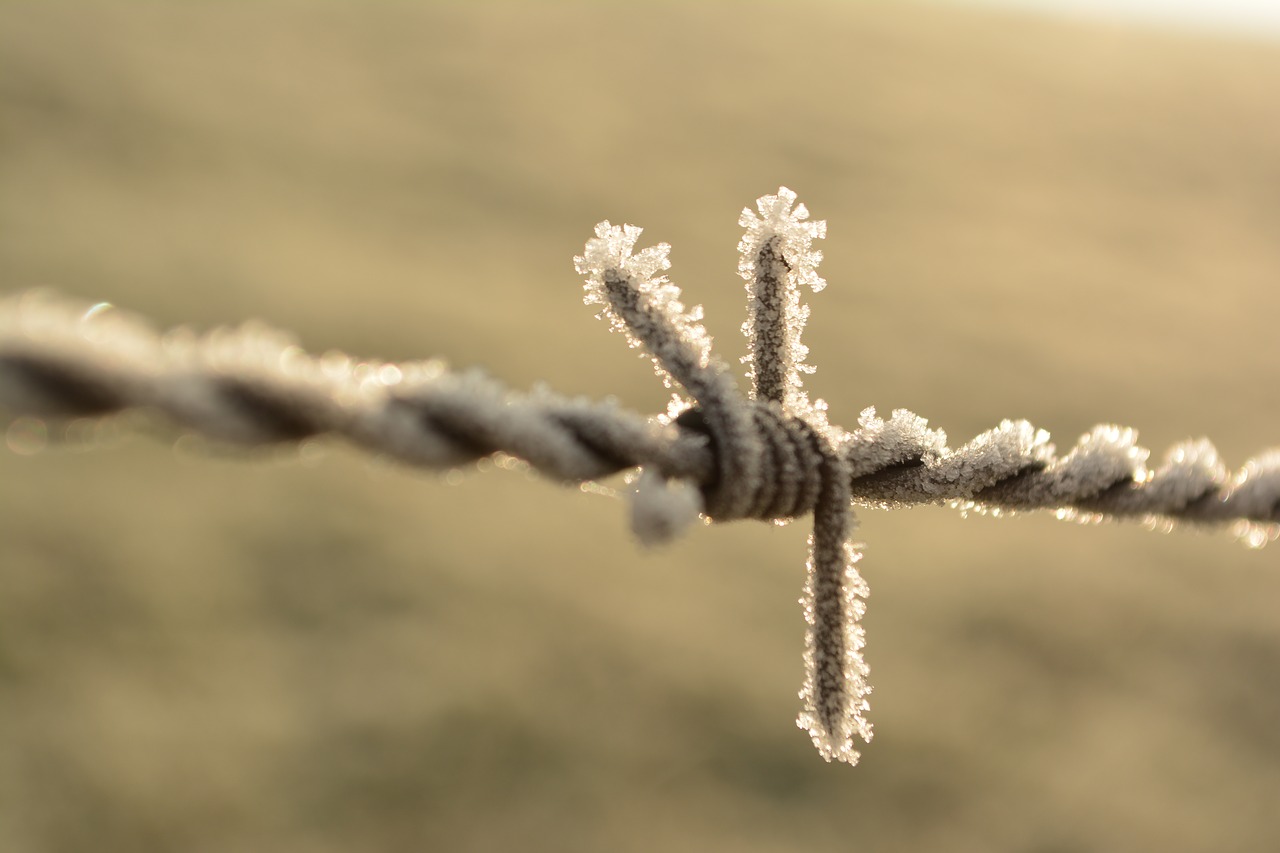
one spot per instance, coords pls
(777, 258)
(685, 352)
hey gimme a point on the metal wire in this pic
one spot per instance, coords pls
(252, 385)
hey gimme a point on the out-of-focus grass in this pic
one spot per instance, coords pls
(1063, 223)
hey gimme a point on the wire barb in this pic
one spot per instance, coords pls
(777, 258)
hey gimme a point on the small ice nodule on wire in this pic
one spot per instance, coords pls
(661, 509)
(776, 455)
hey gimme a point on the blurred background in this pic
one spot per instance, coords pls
(1070, 221)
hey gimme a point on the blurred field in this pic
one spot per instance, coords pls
(1067, 223)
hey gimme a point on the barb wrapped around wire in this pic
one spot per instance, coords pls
(776, 456)
(720, 454)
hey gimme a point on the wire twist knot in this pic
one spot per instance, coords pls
(788, 452)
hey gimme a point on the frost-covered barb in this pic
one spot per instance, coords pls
(67, 368)
(644, 305)
(777, 259)
(835, 690)
(613, 270)
(777, 457)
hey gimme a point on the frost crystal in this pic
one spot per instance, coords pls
(776, 258)
(1255, 488)
(1104, 456)
(835, 690)
(1189, 471)
(879, 443)
(608, 263)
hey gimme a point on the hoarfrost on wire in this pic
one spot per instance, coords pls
(612, 252)
(777, 258)
(878, 443)
(833, 716)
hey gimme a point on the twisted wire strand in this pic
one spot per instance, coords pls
(253, 385)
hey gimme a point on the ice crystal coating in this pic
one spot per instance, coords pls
(1104, 456)
(1254, 490)
(879, 443)
(1189, 471)
(777, 258)
(834, 695)
(780, 216)
(608, 261)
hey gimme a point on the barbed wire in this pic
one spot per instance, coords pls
(253, 385)
(771, 455)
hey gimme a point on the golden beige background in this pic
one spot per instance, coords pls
(1070, 223)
